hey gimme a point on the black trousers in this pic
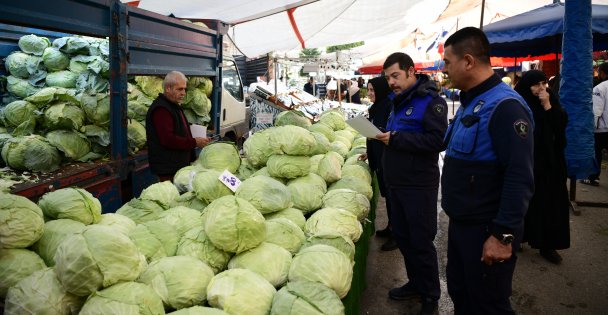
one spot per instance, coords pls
(601, 142)
(474, 287)
(414, 226)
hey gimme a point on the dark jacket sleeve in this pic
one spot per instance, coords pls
(435, 124)
(515, 152)
(163, 122)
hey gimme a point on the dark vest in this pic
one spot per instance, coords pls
(164, 161)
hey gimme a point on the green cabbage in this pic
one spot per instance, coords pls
(180, 281)
(241, 291)
(360, 141)
(184, 177)
(163, 193)
(332, 221)
(357, 171)
(234, 225)
(71, 203)
(283, 232)
(333, 118)
(354, 160)
(197, 101)
(97, 257)
(294, 215)
(136, 134)
(127, 298)
(322, 145)
(65, 78)
(98, 135)
(305, 297)
(181, 218)
(64, 116)
(292, 117)
(356, 184)
(257, 148)
(41, 293)
(189, 200)
(220, 156)
(288, 166)
(208, 187)
(346, 135)
(324, 264)
(96, 108)
(32, 153)
(339, 147)
(150, 85)
(33, 44)
(55, 231)
(141, 210)
(74, 145)
(341, 242)
(22, 65)
(292, 140)
(196, 243)
(80, 63)
(55, 60)
(20, 88)
(72, 45)
(314, 163)
(268, 260)
(347, 143)
(21, 222)
(329, 168)
(267, 195)
(307, 192)
(137, 110)
(121, 223)
(349, 200)
(199, 310)
(16, 264)
(155, 239)
(324, 129)
(356, 151)
(42, 97)
(245, 170)
(18, 112)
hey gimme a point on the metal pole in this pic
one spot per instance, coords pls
(276, 91)
(483, 6)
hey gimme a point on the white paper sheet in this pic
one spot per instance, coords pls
(198, 131)
(364, 126)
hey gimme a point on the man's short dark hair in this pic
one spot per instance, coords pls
(404, 61)
(603, 68)
(470, 40)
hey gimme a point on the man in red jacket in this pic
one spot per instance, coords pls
(170, 143)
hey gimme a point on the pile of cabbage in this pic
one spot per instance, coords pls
(57, 106)
(282, 243)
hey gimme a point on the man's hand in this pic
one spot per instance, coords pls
(362, 157)
(494, 251)
(201, 142)
(384, 137)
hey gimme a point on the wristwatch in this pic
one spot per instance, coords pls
(504, 239)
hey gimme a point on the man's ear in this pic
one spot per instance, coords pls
(470, 60)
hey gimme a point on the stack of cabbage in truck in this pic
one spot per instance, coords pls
(130, 42)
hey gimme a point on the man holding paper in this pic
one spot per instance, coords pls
(170, 142)
(413, 138)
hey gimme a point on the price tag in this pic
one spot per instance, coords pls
(263, 118)
(230, 180)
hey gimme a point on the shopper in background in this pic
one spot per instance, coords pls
(352, 92)
(310, 86)
(170, 143)
(377, 91)
(547, 222)
(413, 139)
(487, 178)
(600, 118)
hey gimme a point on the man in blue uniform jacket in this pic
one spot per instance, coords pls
(487, 178)
(413, 138)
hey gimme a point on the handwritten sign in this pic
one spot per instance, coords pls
(263, 118)
(230, 180)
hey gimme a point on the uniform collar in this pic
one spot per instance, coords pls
(467, 97)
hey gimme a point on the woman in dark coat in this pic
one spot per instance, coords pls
(547, 220)
(377, 91)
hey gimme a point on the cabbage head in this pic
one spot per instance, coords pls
(21, 65)
(268, 260)
(71, 203)
(347, 199)
(346, 135)
(329, 168)
(292, 117)
(64, 116)
(264, 172)
(126, 298)
(163, 193)
(141, 210)
(332, 221)
(180, 281)
(19, 87)
(240, 291)
(18, 112)
(333, 118)
(307, 192)
(357, 171)
(155, 239)
(208, 187)
(354, 160)
(196, 243)
(356, 151)
(80, 63)
(98, 135)
(265, 194)
(324, 264)
(16, 264)
(288, 166)
(322, 145)
(55, 60)
(197, 101)
(292, 214)
(234, 225)
(246, 170)
(96, 108)
(33, 153)
(21, 221)
(220, 156)
(137, 110)
(360, 141)
(41, 293)
(314, 163)
(344, 141)
(65, 78)
(181, 218)
(121, 223)
(257, 148)
(33, 44)
(292, 140)
(305, 297)
(189, 200)
(324, 129)
(55, 231)
(199, 310)
(42, 97)
(150, 85)
(284, 233)
(341, 242)
(356, 184)
(339, 147)
(72, 45)
(74, 145)
(136, 134)
(97, 258)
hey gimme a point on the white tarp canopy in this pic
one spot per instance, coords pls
(263, 26)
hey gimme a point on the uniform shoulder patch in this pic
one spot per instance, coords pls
(522, 128)
(438, 109)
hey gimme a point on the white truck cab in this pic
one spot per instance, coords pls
(234, 123)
